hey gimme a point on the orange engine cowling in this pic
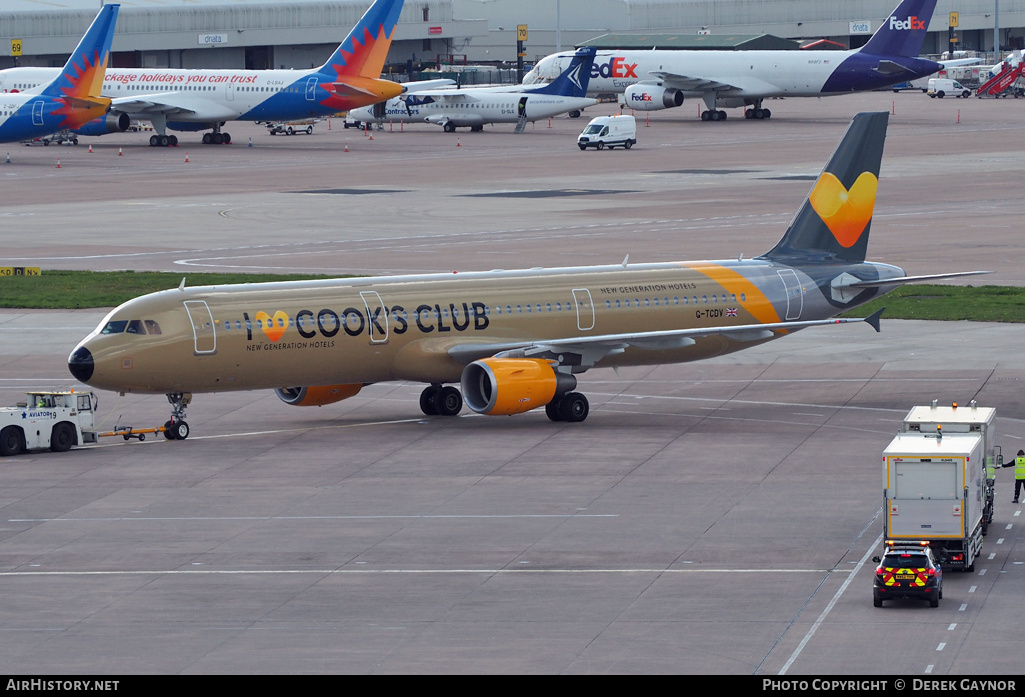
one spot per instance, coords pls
(316, 396)
(501, 386)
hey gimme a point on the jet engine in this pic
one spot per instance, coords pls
(649, 97)
(316, 396)
(503, 386)
(114, 122)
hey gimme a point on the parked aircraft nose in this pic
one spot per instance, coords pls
(81, 365)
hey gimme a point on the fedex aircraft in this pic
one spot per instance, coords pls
(474, 107)
(660, 79)
(71, 97)
(197, 100)
(512, 340)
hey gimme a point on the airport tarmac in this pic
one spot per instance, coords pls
(708, 518)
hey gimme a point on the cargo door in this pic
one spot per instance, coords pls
(203, 331)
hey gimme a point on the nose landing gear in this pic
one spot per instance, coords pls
(176, 428)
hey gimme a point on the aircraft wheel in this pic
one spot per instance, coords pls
(207, 139)
(552, 410)
(447, 401)
(705, 116)
(216, 138)
(226, 138)
(164, 141)
(573, 407)
(174, 141)
(749, 113)
(180, 430)
(722, 115)
(575, 114)
(449, 127)
(766, 114)
(62, 437)
(168, 430)
(154, 141)
(428, 401)
(10, 441)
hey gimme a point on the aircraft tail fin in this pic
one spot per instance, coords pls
(365, 49)
(902, 33)
(82, 76)
(574, 79)
(833, 223)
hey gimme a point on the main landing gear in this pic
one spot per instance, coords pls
(163, 141)
(757, 113)
(445, 400)
(176, 428)
(217, 138)
(571, 407)
(713, 115)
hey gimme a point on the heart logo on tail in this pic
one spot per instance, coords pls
(845, 213)
(274, 326)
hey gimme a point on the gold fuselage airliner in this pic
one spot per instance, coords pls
(513, 340)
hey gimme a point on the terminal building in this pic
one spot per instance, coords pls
(298, 34)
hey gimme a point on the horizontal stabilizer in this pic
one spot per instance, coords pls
(912, 279)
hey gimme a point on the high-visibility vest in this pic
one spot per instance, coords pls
(991, 467)
(1019, 467)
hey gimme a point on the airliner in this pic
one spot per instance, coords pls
(197, 100)
(72, 97)
(661, 79)
(475, 107)
(512, 340)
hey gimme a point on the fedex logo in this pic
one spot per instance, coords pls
(643, 97)
(910, 24)
(617, 67)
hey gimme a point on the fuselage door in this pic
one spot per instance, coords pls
(585, 309)
(37, 113)
(311, 89)
(795, 293)
(229, 92)
(377, 317)
(203, 330)
(523, 108)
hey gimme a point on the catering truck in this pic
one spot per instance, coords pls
(970, 419)
(934, 491)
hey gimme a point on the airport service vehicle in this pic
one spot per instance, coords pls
(477, 106)
(921, 84)
(68, 97)
(941, 87)
(934, 490)
(54, 420)
(201, 100)
(514, 340)
(291, 128)
(662, 79)
(971, 419)
(907, 571)
(609, 132)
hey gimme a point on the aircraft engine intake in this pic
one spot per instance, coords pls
(316, 396)
(504, 386)
(650, 97)
(114, 122)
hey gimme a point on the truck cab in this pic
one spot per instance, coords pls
(54, 420)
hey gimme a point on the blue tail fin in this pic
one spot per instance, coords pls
(82, 76)
(902, 33)
(574, 79)
(833, 224)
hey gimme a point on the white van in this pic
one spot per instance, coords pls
(609, 131)
(940, 87)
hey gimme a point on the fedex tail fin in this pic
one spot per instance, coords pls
(833, 224)
(365, 49)
(574, 79)
(902, 33)
(82, 76)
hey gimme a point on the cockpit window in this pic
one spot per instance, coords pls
(152, 327)
(115, 327)
(135, 327)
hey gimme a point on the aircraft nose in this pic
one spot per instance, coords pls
(81, 365)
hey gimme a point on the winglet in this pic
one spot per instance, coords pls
(873, 319)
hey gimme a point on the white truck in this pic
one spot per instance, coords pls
(54, 420)
(970, 419)
(609, 132)
(934, 490)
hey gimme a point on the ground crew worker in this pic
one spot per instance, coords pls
(1019, 473)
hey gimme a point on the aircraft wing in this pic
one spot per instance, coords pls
(585, 351)
(688, 83)
(445, 95)
(960, 61)
(168, 104)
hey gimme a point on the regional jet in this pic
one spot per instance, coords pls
(198, 100)
(475, 107)
(513, 340)
(71, 96)
(660, 79)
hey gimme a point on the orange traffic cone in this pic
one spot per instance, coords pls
(119, 153)
(346, 147)
(90, 147)
(58, 163)
(457, 143)
(186, 157)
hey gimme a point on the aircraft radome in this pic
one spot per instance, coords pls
(513, 340)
